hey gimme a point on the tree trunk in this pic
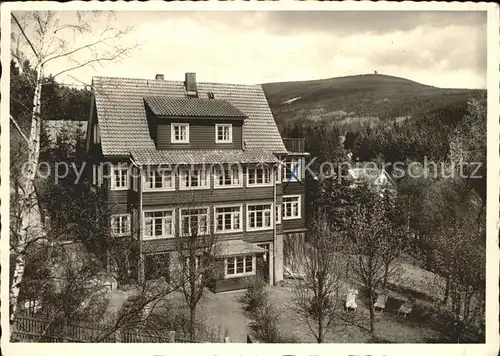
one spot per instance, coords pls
(192, 319)
(320, 328)
(386, 276)
(372, 319)
(371, 310)
(446, 291)
(27, 198)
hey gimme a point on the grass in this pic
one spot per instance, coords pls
(388, 327)
(225, 311)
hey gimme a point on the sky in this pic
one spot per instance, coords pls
(439, 48)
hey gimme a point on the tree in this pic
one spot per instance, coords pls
(468, 145)
(461, 255)
(317, 295)
(37, 37)
(197, 254)
(369, 245)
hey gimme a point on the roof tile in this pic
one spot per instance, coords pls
(197, 107)
(155, 157)
(122, 116)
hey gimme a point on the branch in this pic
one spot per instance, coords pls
(95, 60)
(25, 36)
(19, 129)
(101, 40)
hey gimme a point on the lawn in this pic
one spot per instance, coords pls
(224, 312)
(388, 326)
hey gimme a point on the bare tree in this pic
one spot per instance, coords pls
(369, 246)
(38, 37)
(317, 294)
(197, 253)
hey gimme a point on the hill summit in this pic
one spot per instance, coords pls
(372, 97)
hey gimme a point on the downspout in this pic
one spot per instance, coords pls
(140, 274)
(274, 225)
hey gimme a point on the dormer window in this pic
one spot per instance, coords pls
(179, 133)
(223, 133)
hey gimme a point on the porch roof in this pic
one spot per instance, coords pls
(214, 156)
(236, 248)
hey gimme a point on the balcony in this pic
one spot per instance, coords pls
(295, 145)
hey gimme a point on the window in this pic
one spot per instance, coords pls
(158, 224)
(279, 174)
(179, 133)
(159, 180)
(193, 178)
(187, 264)
(223, 133)
(291, 207)
(259, 217)
(120, 224)
(239, 266)
(292, 170)
(259, 176)
(119, 177)
(97, 137)
(228, 176)
(194, 219)
(278, 213)
(228, 219)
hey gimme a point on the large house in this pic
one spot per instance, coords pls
(183, 150)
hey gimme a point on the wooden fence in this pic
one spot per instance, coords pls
(29, 328)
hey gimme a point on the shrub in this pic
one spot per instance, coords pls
(265, 318)
(264, 324)
(256, 295)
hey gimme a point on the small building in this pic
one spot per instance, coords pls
(373, 174)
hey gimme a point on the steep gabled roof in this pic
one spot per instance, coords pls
(378, 176)
(122, 115)
(164, 106)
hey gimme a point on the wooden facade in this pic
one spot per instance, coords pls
(135, 199)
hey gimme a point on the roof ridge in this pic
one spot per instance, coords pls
(175, 81)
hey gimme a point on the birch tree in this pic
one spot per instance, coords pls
(41, 37)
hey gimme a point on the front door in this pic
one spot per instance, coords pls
(265, 265)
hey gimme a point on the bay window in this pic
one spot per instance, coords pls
(239, 266)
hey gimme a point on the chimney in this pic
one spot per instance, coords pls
(190, 84)
(159, 77)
